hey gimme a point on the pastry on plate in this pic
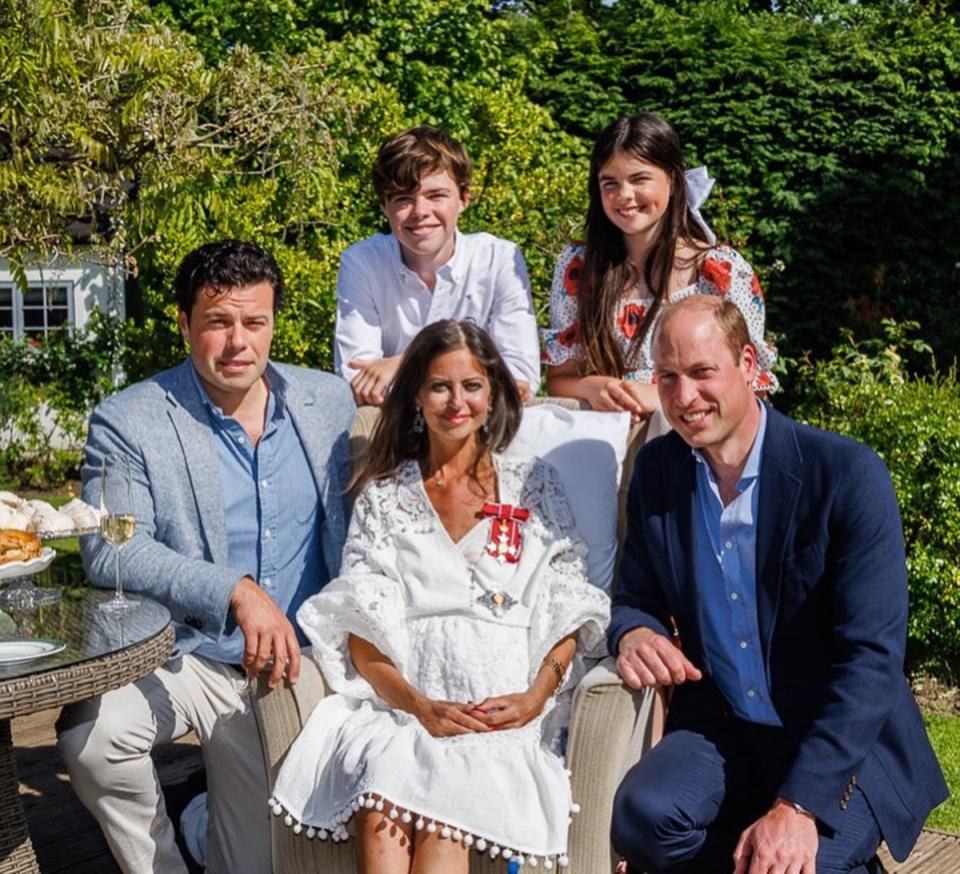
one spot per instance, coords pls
(18, 520)
(47, 520)
(18, 545)
(83, 515)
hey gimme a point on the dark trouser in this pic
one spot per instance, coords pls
(683, 806)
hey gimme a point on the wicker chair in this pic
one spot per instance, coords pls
(611, 728)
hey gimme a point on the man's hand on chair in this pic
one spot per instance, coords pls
(782, 841)
(267, 633)
(650, 659)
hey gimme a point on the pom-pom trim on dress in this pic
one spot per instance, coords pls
(337, 830)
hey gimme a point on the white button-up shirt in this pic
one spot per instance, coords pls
(382, 304)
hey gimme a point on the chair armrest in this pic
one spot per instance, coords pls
(611, 727)
(281, 712)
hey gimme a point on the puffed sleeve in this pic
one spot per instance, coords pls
(726, 273)
(566, 601)
(362, 601)
(560, 340)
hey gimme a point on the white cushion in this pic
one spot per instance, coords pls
(587, 448)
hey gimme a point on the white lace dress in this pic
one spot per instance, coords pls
(417, 596)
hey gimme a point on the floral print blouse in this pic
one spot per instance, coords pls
(723, 272)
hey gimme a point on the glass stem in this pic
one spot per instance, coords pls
(119, 594)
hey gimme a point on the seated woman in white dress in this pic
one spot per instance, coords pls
(461, 611)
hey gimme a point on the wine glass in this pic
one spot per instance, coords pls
(117, 521)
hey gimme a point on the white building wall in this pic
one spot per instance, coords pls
(93, 285)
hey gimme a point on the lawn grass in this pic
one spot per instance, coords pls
(944, 734)
(65, 546)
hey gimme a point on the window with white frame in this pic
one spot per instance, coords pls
(34, 313)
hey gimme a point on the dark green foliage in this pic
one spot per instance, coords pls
(833, 129)
(46, 392)
(864, 390)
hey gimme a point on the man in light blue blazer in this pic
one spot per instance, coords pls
(773, 553)
(238, 474)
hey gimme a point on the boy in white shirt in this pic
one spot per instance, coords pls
(392, 285)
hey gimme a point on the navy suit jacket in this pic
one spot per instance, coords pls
(831, 608)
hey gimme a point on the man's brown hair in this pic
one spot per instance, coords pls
(732, 324)
(407, 157)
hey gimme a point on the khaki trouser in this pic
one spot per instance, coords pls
(106, 743)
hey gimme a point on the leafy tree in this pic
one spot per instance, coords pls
(115, 124)
(155, 128)
(115, 120)
(45, 394)
(443, 62)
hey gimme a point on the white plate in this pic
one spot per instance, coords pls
(23, 649)
(31, 566)
(63, 535)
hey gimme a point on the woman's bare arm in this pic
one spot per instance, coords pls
(606, 393)
(440, 718)
(512, 711)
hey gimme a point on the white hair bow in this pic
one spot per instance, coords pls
(699, 183)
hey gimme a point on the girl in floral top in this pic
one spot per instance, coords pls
(646, 244)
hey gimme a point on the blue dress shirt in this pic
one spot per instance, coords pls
(725, 557)
(272, 510)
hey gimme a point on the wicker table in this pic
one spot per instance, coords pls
(104, 651)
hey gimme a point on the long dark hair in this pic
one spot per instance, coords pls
(394, 440)
(606, 272)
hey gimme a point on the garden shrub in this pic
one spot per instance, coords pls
(46, 394)
(866, 391)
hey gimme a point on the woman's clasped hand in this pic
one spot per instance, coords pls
(611, 394)
(447, 718)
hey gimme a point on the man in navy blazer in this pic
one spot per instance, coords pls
(763, 579)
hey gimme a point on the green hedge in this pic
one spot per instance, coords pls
(865, 390)
(46, 393)
(832, 127)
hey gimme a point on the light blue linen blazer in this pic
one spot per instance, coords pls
(178, 554)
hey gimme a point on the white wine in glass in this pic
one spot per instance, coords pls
(117, 522)
(118, 530)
